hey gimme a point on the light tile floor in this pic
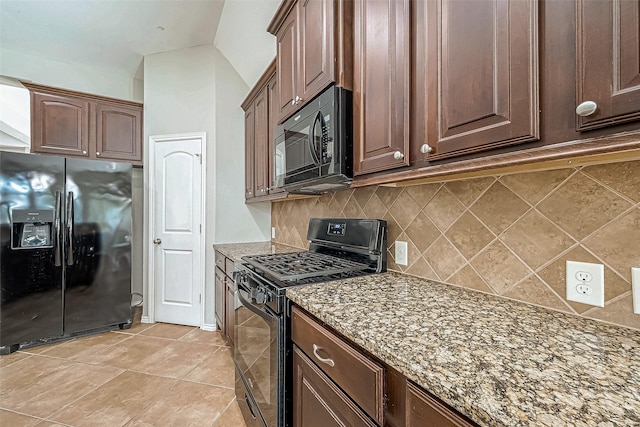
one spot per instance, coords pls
(150, 375)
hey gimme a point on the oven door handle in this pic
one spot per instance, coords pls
(264, 314)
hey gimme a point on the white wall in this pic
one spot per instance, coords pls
(235, 221)
(195, 90)
(243, 39)
(68, 75)
(178, 98)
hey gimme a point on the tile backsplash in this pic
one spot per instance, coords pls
(508, 235)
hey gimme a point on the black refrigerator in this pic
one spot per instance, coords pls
(65, 247)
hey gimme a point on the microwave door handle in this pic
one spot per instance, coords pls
(312, 139)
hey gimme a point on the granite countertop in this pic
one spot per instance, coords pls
(500, 362)
(235, 251)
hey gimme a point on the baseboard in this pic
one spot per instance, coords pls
(208, 327)
(145, 319)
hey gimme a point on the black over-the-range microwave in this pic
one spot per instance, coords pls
(314, 147)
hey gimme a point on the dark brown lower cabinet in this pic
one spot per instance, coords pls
(336, 384)
(317, 401)
(230, 310)
(424, 410)
(220, 289)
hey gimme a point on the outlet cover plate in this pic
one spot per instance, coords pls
(401, 253)
(585, 283)
(635, 286)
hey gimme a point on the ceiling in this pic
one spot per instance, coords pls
(109, 34)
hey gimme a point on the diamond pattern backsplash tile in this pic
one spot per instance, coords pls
(509, 235)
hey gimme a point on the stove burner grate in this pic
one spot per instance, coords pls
(294, 266)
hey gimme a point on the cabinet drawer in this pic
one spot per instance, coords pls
(229, 267)
(361, 378)
(220, 261)
(318, 401)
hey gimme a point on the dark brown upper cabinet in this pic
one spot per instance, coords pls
(258, 130)
(69, 123)
(249, 151)
(118, 132)
(381, 89)
(261, 139)
(273, 120)
(314, 49)
(608, 63)
(475, 69)
(60, 125)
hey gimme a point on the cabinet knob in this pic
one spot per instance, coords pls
(398, 155)
(97, 153)
(84, 152)
(426, 148)
(586, 108)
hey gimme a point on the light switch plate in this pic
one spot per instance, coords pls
(635, 286)
(273, 232)
(585, 283)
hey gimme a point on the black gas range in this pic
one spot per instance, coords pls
(339, 248)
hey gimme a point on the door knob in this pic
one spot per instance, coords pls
(586, 108)
(157, 241)
(398, 155)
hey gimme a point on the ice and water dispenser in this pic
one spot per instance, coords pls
(32, 228)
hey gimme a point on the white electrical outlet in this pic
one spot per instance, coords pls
(401, 253)
(585, 283)
(273, 232)
(635, 286)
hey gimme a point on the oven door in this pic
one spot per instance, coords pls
(256, 354)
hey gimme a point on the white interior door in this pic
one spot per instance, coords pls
(177, 223)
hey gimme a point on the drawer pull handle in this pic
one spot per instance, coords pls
(322, 359)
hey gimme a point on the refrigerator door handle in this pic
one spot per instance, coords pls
(57, 230)
(70, 227)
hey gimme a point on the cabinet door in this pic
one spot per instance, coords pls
(261, 141)
(249, 150)
(273, 120)
(425, 411)
(219, 294)
(608, 58)
(118, 132)
(480, 73)
(59, 125)
(317, 402)
(287, 45)
(316, 46)
(230, 311)
(381, 85)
